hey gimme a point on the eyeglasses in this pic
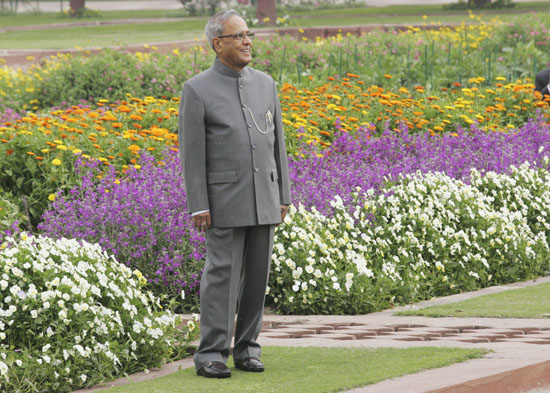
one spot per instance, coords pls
(239, 36)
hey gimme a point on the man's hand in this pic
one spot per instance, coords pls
(284, 211)
(202, 221)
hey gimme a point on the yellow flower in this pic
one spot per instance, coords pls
(51, 197)
(56, 162)
(137, 166)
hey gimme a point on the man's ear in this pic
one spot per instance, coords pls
(217, 43)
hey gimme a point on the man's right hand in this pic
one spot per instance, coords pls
(202, 221)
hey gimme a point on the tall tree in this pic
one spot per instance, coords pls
(76, 6)
(266, 11)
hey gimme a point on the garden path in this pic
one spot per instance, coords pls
(519, 361)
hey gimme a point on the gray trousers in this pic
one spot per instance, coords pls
(233, 282)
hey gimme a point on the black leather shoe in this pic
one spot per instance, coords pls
(250, 364)
(214, 370)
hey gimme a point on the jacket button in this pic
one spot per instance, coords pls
(256, 169)
(249, 125)
(240, 86)
(254, 146)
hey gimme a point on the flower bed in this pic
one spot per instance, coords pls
(140, 218)
(428, 235)
(360, 159)
(71, 316)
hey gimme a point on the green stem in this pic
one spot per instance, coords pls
(426, 64)
(282, 65)
(340, 63)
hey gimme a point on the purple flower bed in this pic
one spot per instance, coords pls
(360, 160)
(142, 220)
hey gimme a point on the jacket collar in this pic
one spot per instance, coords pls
(225, 70)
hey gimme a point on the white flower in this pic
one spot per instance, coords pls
(336, 286)
(155, 333)
(297, 273)
(34, 313)
(3, 369)
(81, 350)
(138, 327)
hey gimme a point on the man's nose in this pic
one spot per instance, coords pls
(247, 40)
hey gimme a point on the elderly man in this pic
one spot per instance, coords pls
(236, 179)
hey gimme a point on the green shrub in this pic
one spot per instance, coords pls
(71, 316)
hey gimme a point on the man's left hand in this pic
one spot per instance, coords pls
(284, 211)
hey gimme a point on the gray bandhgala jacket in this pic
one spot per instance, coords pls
(232, 147)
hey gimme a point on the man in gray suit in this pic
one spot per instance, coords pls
(236, 178)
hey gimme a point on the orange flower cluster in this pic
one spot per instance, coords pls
(111, 133)
(315, 115)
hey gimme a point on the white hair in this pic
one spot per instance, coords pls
(214, 27)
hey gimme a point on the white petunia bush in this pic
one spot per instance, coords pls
(426, 235)
(71, 316)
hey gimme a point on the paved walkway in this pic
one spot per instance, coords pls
(520, 361)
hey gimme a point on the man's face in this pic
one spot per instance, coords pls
(234, 53)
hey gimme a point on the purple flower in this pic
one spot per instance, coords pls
(359, 160)
(140, 218)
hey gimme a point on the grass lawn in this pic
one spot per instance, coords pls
(312, 370)
(102, 36)
(530, 302)
(425, 9)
